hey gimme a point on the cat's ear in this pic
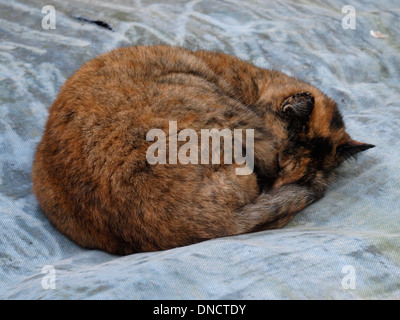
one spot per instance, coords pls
(298, 107)
(351, 148)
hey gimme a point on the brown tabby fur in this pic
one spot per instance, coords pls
(90, 172)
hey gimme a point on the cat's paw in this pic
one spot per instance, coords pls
(316, 187)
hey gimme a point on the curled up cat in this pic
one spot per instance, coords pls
(96, 184)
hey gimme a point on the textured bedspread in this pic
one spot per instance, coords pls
(346, 245)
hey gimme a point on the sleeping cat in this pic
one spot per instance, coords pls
(95, 184)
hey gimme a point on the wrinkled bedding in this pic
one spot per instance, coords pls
(345, 246)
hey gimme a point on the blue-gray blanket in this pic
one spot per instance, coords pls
(346, 245)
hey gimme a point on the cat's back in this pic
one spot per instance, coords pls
(154, 79)
(138, 65)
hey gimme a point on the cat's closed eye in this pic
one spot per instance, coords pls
(278, 162)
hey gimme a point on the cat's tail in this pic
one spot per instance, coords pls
(275, 208)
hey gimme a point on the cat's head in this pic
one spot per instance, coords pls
(317, 142)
